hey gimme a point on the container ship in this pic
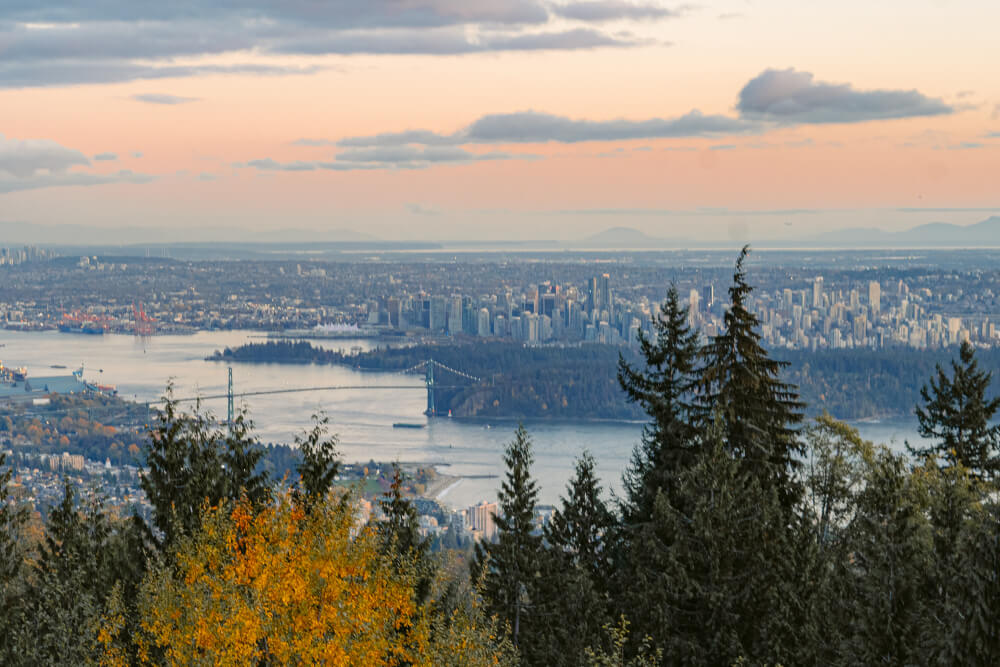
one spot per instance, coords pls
(86, 328)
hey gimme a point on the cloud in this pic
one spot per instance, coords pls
(536, 127)
(448, 41)
(137, 154)
(387, 157)
(162, 98)
(62, 179)
(790, 96)
(612, 10)
(966, 145)
(729, 16)
(35, 75)
(24, 158)
(105, 157)
(993, 135)
(206, 176)
(334, 14)
(28, 164)
(420, 209)
(65, 42)
(313, 143)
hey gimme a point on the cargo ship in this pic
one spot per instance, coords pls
(87, 328)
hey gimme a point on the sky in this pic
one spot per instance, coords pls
(497, 119)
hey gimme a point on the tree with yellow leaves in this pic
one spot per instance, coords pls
(285, 586)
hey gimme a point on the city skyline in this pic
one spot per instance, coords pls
(428, 119)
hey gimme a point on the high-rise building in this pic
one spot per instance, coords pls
(480, 519)
(547, 304)
(707, 296)
(604, 285)
(483, 323)
(817, 300)
(395, 308)
(438, 319)
(860, 330)
(874, 297)
(455, 314)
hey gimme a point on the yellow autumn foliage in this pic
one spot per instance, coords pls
(285, 587)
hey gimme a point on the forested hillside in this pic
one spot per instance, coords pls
(520, 381)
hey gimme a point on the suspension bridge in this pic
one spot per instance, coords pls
(431, 385)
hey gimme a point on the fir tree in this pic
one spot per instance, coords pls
(890, 571)
(399, 530)
(957, 414)
(320, 463)
(191, 463)
(85, 556)
(241, 456)
(184, 470)
(13, 519)
(509, 566)
(571, 597)
(581, 528)
(716, 580)
(740, 383)
(971, 635)
(664, 390)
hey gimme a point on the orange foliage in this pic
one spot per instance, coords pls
(284, 587)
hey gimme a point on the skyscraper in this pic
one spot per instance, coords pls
(874, 298)
(817, 301)
(707, 296)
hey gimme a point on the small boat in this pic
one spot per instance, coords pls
(408, 425)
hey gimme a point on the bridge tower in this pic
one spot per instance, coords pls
(429, 379)
(229, 400)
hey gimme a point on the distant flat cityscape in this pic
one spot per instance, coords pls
(549, 299)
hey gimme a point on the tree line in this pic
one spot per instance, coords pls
(741, 537)
(567, 382)
(745, 537)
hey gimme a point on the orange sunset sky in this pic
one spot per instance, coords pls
(410, 119)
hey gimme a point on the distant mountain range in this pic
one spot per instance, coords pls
(932, 235)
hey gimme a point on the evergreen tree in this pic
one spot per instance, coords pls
(13, 519)
(581, 528)
(953, 500)
(892, 561)
(664, 390)
(191, 462)
(971, 635)
(716, 581)
(85, 556)
(510, 565)
(957, 413)
(184, 470)
(740, 383)
(320, 463)
(399, 530)
(571, 596)
(241, 456)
